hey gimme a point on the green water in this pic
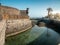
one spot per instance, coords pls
(34, 36)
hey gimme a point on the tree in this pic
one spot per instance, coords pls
(49, 11)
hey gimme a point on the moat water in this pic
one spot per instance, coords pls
(35, 36)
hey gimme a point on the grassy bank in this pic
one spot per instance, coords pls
(18, 39)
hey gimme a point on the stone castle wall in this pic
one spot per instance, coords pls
(12, 26)
(12, 13)
(17, 25)
(2, 32)
(14, 22)
(9, 10)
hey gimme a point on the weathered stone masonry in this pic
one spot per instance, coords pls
(2, 32)
(15, 21)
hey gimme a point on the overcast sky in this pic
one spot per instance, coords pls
(37, 8)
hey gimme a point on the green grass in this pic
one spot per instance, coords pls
(25, 37)
(19, 39)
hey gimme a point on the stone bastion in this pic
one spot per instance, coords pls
(13, 21)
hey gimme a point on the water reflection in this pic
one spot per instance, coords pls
(52, 39)
(35, 36)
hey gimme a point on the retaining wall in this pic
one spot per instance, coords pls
(17, 25)
(2, 32)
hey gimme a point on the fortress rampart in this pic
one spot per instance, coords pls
(16, 21)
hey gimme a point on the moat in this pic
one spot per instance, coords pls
(29, 22)
(35, 36)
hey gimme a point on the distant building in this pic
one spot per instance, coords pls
(54, 16)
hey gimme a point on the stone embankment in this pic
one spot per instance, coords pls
(2, 32)
(13, 27)
(17, 26)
